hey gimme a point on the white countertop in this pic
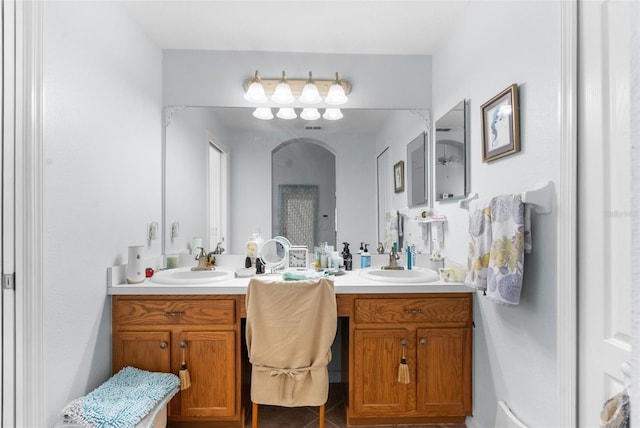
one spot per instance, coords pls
(348, 283)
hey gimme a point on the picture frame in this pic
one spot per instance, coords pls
(501, 125)
(398, 177)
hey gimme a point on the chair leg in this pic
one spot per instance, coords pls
(254, 415)
(321, 416)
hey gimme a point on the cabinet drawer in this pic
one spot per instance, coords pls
(172, 312)
(390, 310)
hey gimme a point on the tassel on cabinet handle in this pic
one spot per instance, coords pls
(185, 378)
(403, 369)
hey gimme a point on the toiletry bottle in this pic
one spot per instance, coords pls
(347, 257)
(365, 257)
(409, 258)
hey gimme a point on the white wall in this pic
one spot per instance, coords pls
(102, 146)
(495, 45)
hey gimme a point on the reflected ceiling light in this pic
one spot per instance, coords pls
(287, 113)
(336, 95)
(310, 113)
(255, 92)
(310, 93)
(332, 114)
(283, 94)
(263, 113)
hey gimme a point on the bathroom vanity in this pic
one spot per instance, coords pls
(157, 327)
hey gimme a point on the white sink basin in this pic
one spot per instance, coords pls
(413, 276)
(186, 276)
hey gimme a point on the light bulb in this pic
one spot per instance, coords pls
(255, 91)
(282, 93)
(332, 114)
(286, 113)
(263, 113)
(310, 93)
(336, 95)
(310, 113)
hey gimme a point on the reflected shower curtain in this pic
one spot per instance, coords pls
(298, 212)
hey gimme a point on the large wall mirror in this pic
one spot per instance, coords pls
(451, 154)
(256, 181)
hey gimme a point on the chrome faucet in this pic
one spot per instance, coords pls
(393, 261)
(205, 261)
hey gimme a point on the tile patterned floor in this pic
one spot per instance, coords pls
(307, 417)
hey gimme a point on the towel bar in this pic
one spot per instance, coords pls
(539, 198)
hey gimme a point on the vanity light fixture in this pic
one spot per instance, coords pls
(284, 90)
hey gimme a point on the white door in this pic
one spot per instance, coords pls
(218, 195)
(604, 276)
(384, 184)
(7, 203)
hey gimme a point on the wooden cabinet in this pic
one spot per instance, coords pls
(152, 333)
(156, 332)
(436, 333)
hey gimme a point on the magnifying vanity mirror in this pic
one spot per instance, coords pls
(274, 252)
(451, 154)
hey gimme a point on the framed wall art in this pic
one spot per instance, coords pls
(398, 177)
(501, 125)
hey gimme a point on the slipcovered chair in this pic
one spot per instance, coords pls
(290, 328)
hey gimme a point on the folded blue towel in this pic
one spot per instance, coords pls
(123, 400)
(296, 275)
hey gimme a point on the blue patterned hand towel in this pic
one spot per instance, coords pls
(123, 400)
(500, 235)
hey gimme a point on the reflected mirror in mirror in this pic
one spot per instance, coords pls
(450, 154)
(417, 171)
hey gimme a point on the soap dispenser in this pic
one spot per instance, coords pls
(347, 257)
(365, 257)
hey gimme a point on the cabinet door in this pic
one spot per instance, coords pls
(211, 360)
(444, 371)
(146, 350)
(376, 358)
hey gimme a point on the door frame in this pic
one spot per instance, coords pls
(30, 385)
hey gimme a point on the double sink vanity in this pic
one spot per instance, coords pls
(181, 316)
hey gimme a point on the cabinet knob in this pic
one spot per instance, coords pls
(403, 342)
(183, 345)
(423, 341)
(163, 345)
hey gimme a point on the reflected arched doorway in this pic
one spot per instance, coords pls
(303, 192)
